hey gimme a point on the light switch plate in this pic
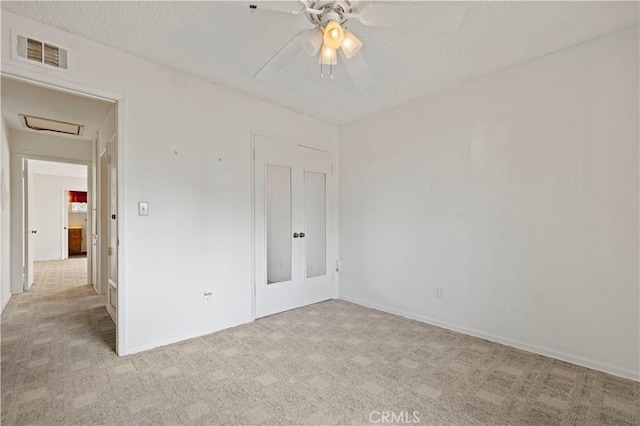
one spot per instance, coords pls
(143, 208)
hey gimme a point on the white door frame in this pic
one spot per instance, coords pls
(57, 83)
(64, 237)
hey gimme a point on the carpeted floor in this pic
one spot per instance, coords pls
(329, 363)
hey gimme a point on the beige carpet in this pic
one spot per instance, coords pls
(330, 363)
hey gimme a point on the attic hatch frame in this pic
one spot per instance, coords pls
(18, 72)
(25, 121)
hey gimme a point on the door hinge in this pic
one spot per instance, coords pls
(254, 154)
(109, 251)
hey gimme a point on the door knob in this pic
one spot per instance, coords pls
(296, 235)
(302, 234)
(34, 231)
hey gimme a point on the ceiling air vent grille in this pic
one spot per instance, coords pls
(34, 50)
(44, 53)
(51, 55)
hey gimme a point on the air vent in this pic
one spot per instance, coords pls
(46, 124)
(41, 52)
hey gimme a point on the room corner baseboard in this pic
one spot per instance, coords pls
(605, 368)
(5, 303)
(179, 338)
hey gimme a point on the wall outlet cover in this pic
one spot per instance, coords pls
(437, 292)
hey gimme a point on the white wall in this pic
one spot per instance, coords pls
(57, 168)
(518, 194)
(5, 214)
(185, 148)
(47, 213)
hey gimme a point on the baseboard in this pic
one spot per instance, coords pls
(594, 365)
(112, 313)
(182, 337)
(5, 303)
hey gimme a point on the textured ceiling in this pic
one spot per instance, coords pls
(20, 98)
(227, 44)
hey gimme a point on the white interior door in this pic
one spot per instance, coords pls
(112, 231)
(103, 219)
(93, 242)
(92, 215)
(29, 231)
(64, 241)
(293, 232)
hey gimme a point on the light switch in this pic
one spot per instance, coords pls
(143, 208)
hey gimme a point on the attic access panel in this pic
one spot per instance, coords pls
(47, 124)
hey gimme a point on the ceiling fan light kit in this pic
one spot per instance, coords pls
(351, 45)
(311, 41)
(329, 35)
(333, 35)
(328, 56)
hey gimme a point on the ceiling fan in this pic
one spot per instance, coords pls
(330, 38)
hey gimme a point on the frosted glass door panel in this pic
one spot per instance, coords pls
(315, 189)
(278, 224)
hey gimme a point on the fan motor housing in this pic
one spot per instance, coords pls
(331, 11)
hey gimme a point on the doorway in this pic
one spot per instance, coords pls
(293, 225)
(50, 124)
(56, 213)
(76, 221)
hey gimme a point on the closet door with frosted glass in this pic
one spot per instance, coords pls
(293, 232)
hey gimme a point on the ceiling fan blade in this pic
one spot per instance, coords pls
(281, 58)
(289, 6)
(358, 69)
(420, 15)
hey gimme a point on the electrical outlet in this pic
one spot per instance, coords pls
(437, 292)
(208, 295)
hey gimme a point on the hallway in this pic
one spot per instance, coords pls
(51, 336)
